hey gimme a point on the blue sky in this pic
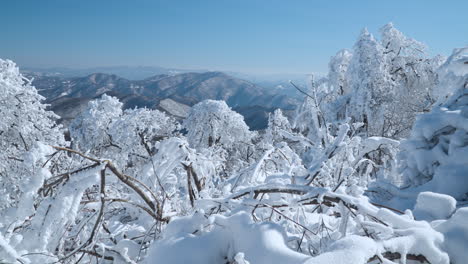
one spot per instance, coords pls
(269, 36)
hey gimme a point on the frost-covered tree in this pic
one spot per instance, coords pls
(127, 137)
(309, 119)
(338, 86)
(370, 84)
(212, 123)
(136, 132)
(25, 121)
(25, 131)
(278, 127)
(415, 78)
(386, 83)
(337, 68)
(220, 133)
(89, 130)
(67, 201)
(377, 99)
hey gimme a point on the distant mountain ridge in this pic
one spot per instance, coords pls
(127, 72)
(68, 96)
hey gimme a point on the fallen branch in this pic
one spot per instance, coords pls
(396, 255)
(127, 180)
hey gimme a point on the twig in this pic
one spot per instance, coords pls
(299, 89)
(98, 220)
(389, 208)
(287, 217)
(93, 253)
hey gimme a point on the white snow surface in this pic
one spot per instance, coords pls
(433, 206)
(455, 231)
(229, 236)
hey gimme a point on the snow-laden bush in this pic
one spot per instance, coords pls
(331, 226)
(127, 137)
(435, 156)
(278, 128)
(221, 134)
(89, 129)
(213, 123)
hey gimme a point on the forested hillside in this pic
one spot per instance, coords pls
(69, 96)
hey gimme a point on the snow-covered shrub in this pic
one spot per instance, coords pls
(180, 174)
(352, 160)
(278, 128)
(220, 134)
(89, 130)
(309, 119)
(213, 123)
(344, 229)
(126, 137)
(435, 156)
(221, 239)
(63, 202)
(27, 165)
(135, 135)
(142, 126)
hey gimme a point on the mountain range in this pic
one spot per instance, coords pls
(172, 93)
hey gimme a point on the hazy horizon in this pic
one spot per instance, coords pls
(252, 37)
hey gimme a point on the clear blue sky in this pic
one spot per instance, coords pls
(267, 36)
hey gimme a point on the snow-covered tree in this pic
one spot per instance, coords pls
(337, 68)
(221, 134)
(213, 123)
(414, 76)
(127, 137)
(337, 94)
(25, 166)
(278, 127)
(309, 119)
(370, 84)
(89, 130)
(25, 121)
(384, 84)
